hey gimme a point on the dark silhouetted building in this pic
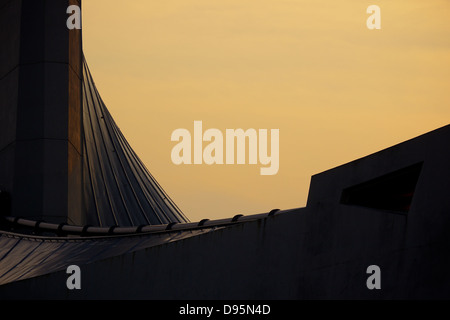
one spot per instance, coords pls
(73, 192)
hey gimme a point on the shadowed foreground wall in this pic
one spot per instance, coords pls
(318, 252)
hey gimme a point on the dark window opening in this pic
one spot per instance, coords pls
(393, 191)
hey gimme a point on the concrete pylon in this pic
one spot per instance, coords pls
(40, 111)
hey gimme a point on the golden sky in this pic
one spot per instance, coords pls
(336, 90)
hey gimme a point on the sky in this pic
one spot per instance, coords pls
(336, 90)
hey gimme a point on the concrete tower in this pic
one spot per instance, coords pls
(40, 111)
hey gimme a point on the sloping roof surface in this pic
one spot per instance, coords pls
(23, 257)
(119, 190)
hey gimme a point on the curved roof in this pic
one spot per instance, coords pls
(23, 257)
(30, 248)
(118, 188)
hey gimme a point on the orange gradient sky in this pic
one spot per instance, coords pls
(311, 68)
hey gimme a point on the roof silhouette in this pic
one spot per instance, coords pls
(118, 188)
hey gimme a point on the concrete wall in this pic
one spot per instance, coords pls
(40, 117)
(318, 252)
(10, 12)
(297, 255)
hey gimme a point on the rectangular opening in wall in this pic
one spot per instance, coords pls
(393, 191)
